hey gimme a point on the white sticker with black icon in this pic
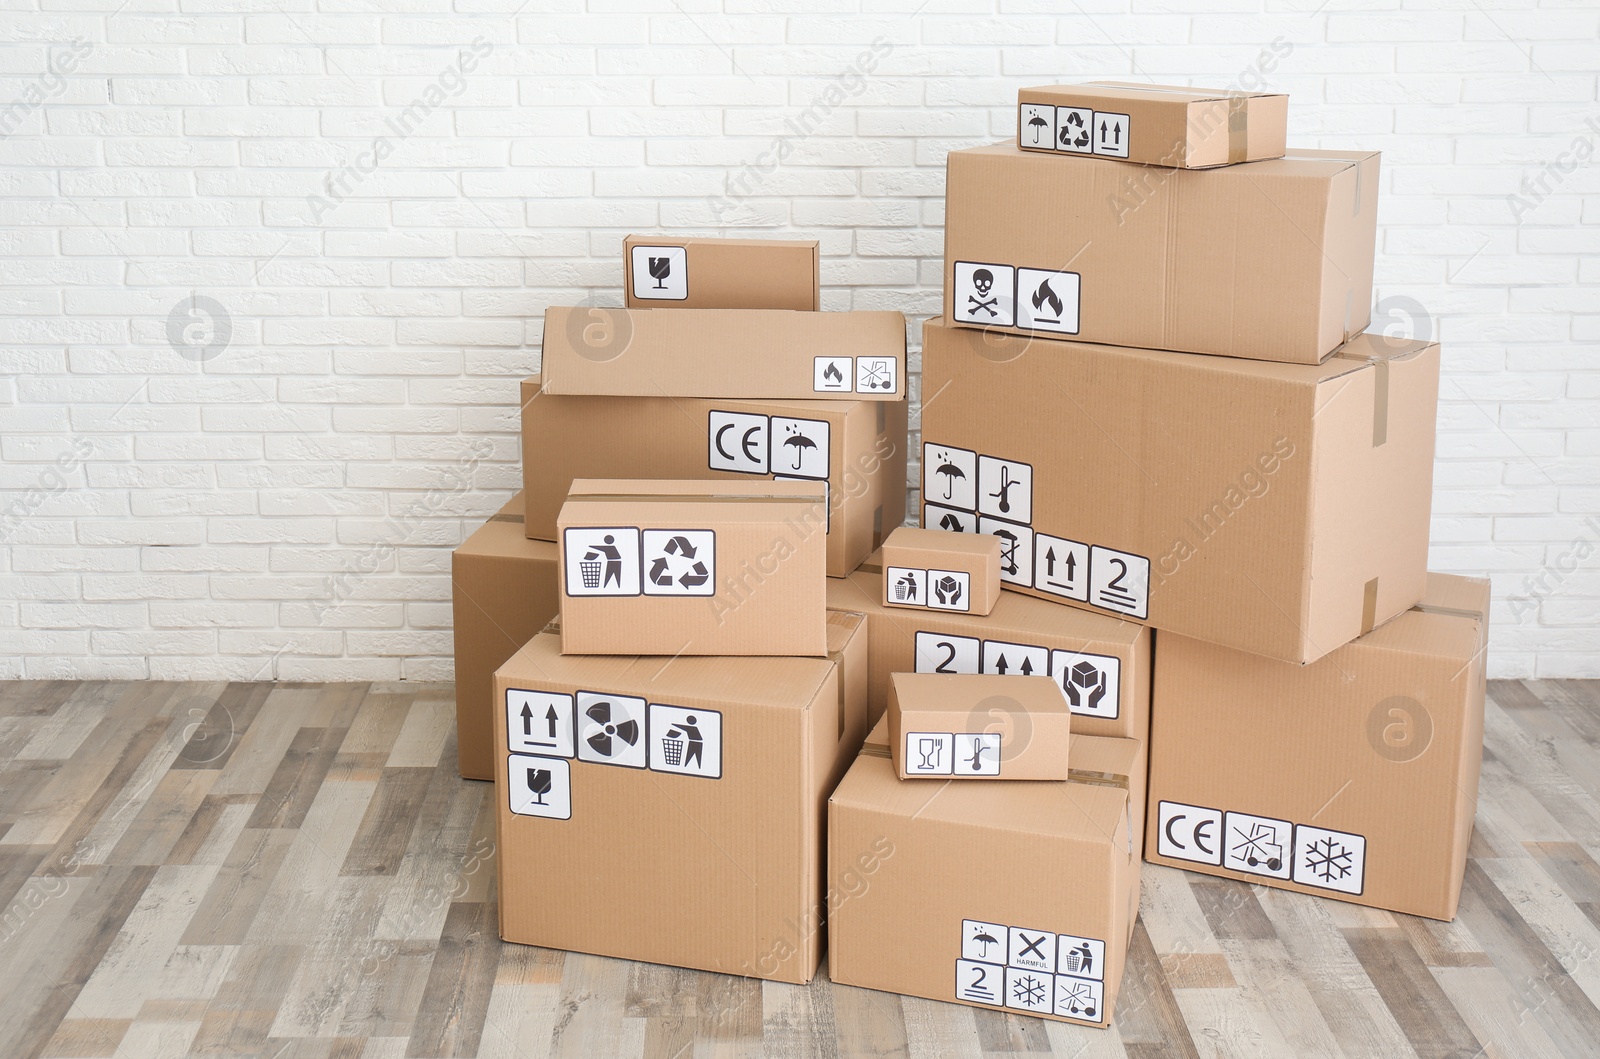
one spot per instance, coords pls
(950, 477)
(539, 786)
(984, 294)
(1119, 581)
(948, 519)
(1016, 549)
(906, 586)
(611, 729)
(1328, 859)
(799, 447)
(1005, 489)
(944, 653)
(602, 561)
(686, 741)
(1189, 832)
(929, 753)
(680, 562)
(1036, 123)
(539, 722)
(1048, 301)
(1072, 130)
(1111, 134)
(1260, 845)
(660, 273)
(950, 590)
(977, 754)
(877, 375)
(1061, 567)
(737, 441)
(833, 374)
(1091, 682)
(1015, 659)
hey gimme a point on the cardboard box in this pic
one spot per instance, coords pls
(1266, 260)
(1172, 489)
(1102, 663)
(748, 353)
(858, 447)
(662, 270)
(1354, 778)
(1014, 896)
(627, 843)
(680, 567)
(940, 570)
(503, 589)
(1168, 125)
(976, 726)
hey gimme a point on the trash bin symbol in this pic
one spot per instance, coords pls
(672, 750)
(589, 570)
(900, 590)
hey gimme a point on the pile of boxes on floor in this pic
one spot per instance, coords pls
(1149, 405)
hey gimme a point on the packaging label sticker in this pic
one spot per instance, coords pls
(833, 374)
(950, 590)
(1015, 659)
(984, 941)
(907, 586)
(949, 519)
(1005, 489)
(660, 273)
(938, 652)
(611, 729)
(1332, 860)
(800, 447)
(1036, 124)
(1081, 957)
(980, 983)
(1079, 998)
(1072, 130)
(1028, 990)
(1033, 949)
(950, 477)
(984, 294)
(539, 722)
(1119, 581)
(1111, 134)
(539, 786)
(877, 375)
(686, 741)
(602, 561)
(1259, 845)
(680, 562)
(1061, 567)
(1016, 549)
(1189, 832)
(738, 442)
(977, 754)
(929, 753)
(1091, 682)
(1048, 301)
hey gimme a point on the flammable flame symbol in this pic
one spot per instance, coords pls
(1046, 294)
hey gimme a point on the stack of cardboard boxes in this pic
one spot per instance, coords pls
(1150, 414)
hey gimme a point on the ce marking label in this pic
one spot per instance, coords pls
(1189, 832)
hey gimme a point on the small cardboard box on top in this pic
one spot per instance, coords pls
(1265, 260)
(1017, 896)
(504, 588)
(676, 567)
(940, 570)
(1168, 125)
(1101, 663)
(857, 447)
(977, 726)
(1276, 508)
(746, 353)
(661, 270)
(1355, 777)
(672, 810)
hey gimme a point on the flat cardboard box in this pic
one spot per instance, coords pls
(1293, 500)
(859, 447)
(748, 353)
(1354, 778)
(1167, 125)
(1265, 260)
(642, 849)
(503, 589)
(680, 567)
(977, 726)
(939, 570)
(669, 271)
(1013, 896)
(1102, 663)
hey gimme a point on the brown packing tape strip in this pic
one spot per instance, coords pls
(1097, 779)
(505, 518)
(874, 750)
(1369, 606)
(699, 498)
(1238, 128)
(1451, 612)
(1380, 391)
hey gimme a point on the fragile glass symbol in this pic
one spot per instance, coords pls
(539, 781)
(660, 269)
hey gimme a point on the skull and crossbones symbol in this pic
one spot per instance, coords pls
(983, 280)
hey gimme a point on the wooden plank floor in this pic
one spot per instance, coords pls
(295, 871)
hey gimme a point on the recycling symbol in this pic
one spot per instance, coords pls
(679, 563)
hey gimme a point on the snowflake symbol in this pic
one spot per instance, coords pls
(1328, 859)
(1028, 990)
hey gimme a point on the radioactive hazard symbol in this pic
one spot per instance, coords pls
(680, 562)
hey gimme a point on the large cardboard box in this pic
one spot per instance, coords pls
(662, 270)
(1102, 663)
(1266, 260)
(972, 726)
(1354, 778)
(858, 447)
(503, 589)
(1015, 896)
(940, 570)
(687, 567)
(749, 353)
(1290, 500)
(647, 835)
(1169, 125)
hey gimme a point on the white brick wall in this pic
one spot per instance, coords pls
(283, 504)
